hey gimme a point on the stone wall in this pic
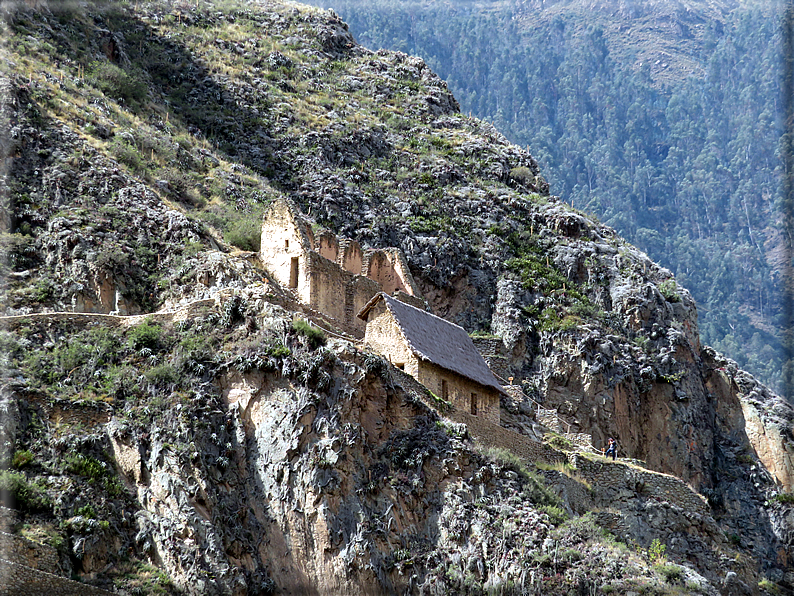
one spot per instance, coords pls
(26, 552)
(284, 243)
(460, 391)
(21, 580)
(656, 485)
(332, 275)
(550, 420)
(82, 320)
(8, 519)
(583, 440)
(384, 336)
(327, 284)
(493, 351)
(492, 435)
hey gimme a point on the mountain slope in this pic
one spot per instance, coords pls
(661, 118)
(215, 447)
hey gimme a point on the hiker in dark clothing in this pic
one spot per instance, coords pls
(612, 449)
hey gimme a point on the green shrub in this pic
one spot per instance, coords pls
(17, 493)
(507, 458)
(522, 175)
(21, 459)
(162, 375)
(770, 587)
(784, 498)
(656, 551)
(315, 337)
(86, 511)
(128, 154)
(556, 514)
(123, 86)
(558, 442)
(669, 290)
(145, 335)
(670, 571)
(85, 465)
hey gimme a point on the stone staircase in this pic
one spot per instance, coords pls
(552, 420)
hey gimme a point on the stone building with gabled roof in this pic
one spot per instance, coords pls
(334, 276)
(437, 353)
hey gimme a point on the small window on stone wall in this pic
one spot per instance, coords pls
(473, 404)
(444, 390)
(286, 244)
(400, 365)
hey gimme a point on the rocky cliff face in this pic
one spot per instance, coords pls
(224, 450)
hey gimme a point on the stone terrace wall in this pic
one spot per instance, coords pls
(583, 440)
(493, 435)
(8, 519)
(656, 485)
(27, 552)
(78, 319)
(21, 580)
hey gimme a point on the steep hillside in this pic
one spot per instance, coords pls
(169, 426)
(659, 117)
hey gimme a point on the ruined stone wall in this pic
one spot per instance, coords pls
(327, 284)
(381, 269)
(549, 419)
(81, 320)
(351, 257)
(384, 336)
(459, 391)
(327, 245)
(284, 239)
(358, 292)
(492, 350)
(400, 267)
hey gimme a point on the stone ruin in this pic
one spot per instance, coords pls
(332, 275)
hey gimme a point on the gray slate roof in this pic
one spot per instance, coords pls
(436, 340)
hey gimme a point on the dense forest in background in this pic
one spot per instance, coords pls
(687, 169)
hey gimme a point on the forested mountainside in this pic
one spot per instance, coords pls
(174, 421)
(662, 118)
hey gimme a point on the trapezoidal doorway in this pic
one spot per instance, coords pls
(293, 273)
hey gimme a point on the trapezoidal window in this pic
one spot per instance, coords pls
(473, 404)
(286, 244)
(444, 390)
(293, 273)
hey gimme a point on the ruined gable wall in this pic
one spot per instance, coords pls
(283, 239)
(327, 284)
(459, 390)
(400, 267)
(327, 245)
(383, 335)
(358, 292)
(380, 269)
(351, 257)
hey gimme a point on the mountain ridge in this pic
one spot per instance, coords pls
(234, 454)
